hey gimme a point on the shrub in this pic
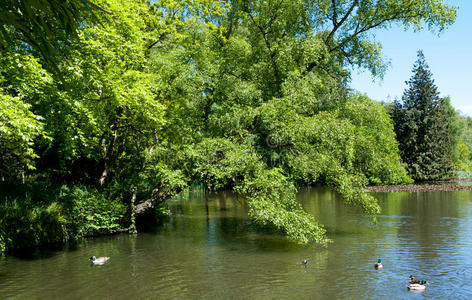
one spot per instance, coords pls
(69, 214)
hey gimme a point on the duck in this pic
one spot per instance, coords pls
(417, 285)
(378, 265)
(98, 260)
(304, 262)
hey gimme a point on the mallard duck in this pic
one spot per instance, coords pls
(378, 265)
(420, 286)
(417, 285)
(99, 260)
(304, 262)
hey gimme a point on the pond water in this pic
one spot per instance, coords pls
(209, 249)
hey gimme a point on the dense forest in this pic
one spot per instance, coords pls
(110, 107)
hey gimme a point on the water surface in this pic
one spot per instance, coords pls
(209, 249)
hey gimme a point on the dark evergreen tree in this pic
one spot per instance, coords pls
(422, 122)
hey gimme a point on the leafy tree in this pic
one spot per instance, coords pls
(22, 83)
(43, 25)
(423, 124)
(254, 86)
(463, 141)
(246, 95)
(349, 23)
(18, 128)
(342, 27)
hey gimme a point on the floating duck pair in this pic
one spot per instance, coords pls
(99, 260)
(378, 265)
(414, 285)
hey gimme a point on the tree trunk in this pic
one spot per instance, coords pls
(132, 227)
(109, 154)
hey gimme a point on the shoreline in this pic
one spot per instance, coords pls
(427, 187)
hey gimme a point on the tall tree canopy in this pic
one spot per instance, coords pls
(423, 124)
(270, 102)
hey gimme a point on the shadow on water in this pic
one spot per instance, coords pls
(226, 221)
(43, 252)
(151, 221)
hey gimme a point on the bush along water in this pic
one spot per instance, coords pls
(67, 214)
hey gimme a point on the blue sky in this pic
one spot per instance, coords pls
(449, 57)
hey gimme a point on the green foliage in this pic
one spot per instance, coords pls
(221, 163)
(163, 174)
(464, 174)
(334, 148)
(63, 214)
(271, 201)
(3, 242)
(22, 82)
(38, 23)
(462, 156)
(89, 212)
(18, 127)
(351, 21)
(26, 225)
(110, 98)
(100, 110)
(376, 149)
(250, 96)
(270, 195)
(423, 124)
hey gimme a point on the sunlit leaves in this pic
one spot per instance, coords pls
(22, 85)
(44, 25)
(18, 128)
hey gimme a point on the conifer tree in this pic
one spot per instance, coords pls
(422, 122)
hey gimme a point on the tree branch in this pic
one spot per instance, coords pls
(274, 16)
(366, 28)
(341, 22)
(335, 15)
(271, 53)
